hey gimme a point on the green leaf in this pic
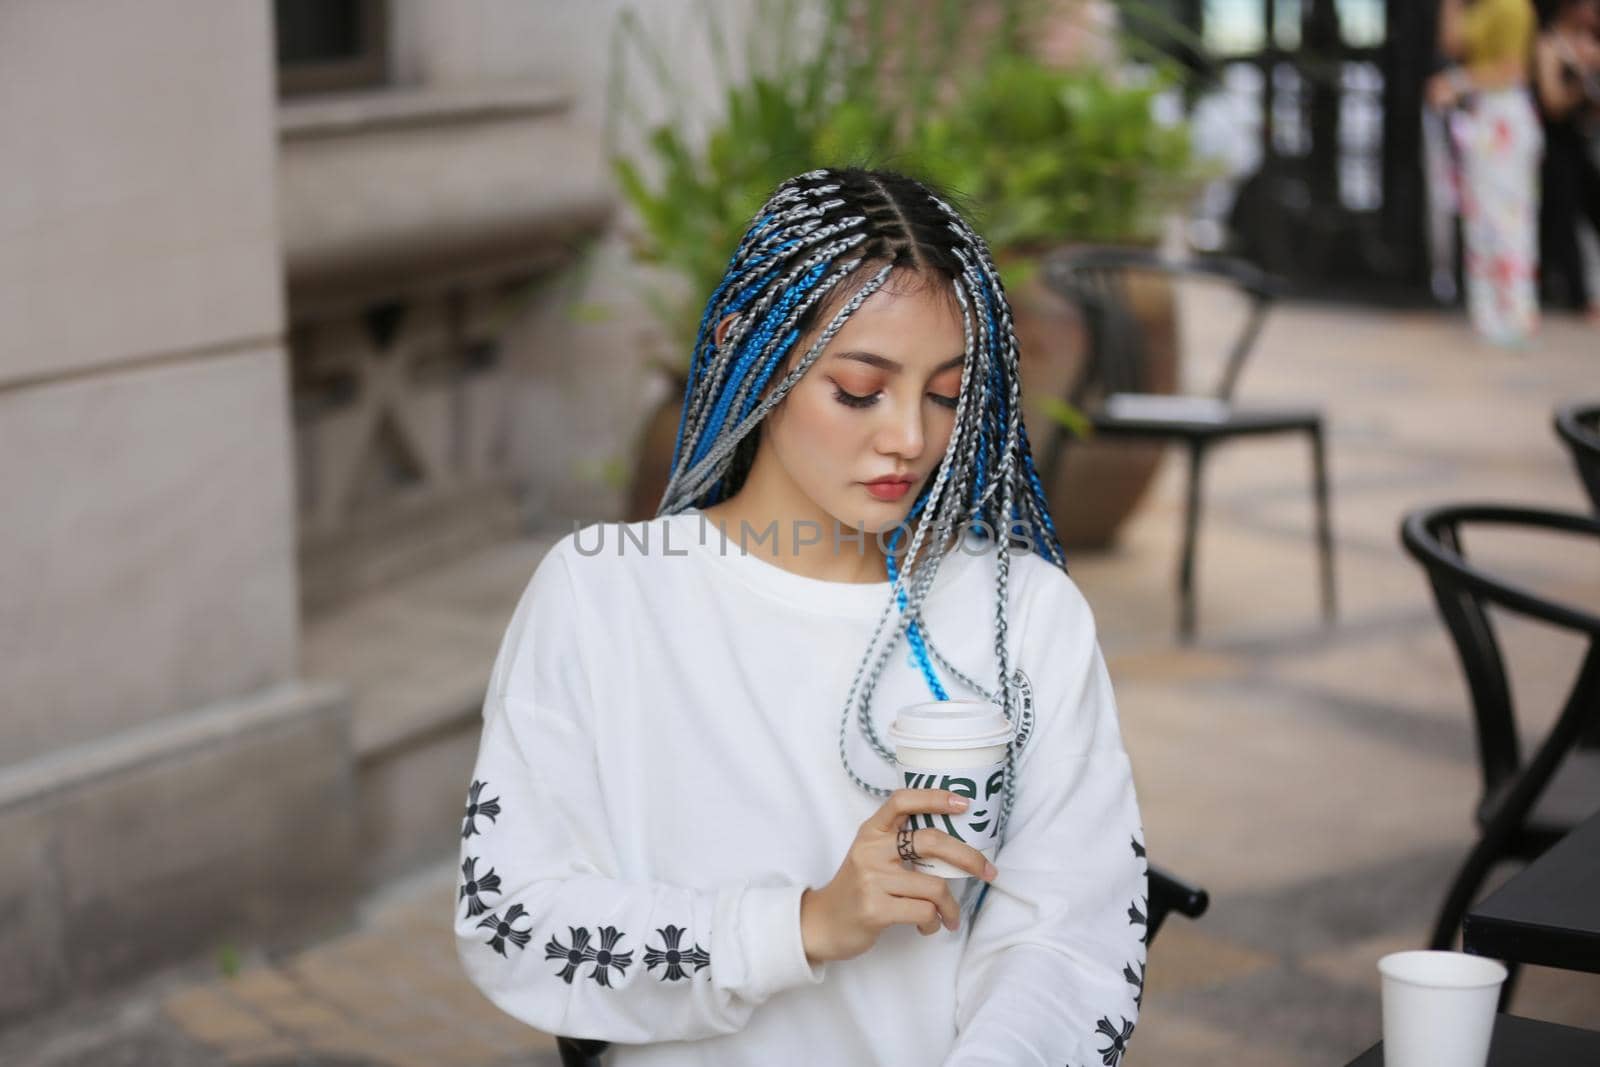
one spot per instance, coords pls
(590, 312)
(1038, 155)
(1066, 415)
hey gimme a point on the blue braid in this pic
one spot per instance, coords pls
(919, 649)
(749, 351)
(735, 273)
(778, 352)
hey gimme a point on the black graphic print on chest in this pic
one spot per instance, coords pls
(474, 886)
(478, 809)
(675, 958)
(1024, 708)
(504, 929)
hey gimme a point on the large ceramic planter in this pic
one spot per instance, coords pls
(653, 452)
(1098, 484)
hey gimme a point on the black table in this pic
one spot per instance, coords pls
(1549, 913)
(1524, 1043)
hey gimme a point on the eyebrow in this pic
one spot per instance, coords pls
(885, 363)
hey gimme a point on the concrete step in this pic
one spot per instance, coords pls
(415, 658)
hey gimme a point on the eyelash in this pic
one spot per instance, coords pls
(850, 400)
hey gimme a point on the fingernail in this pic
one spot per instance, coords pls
(989, 872)
(958, 803)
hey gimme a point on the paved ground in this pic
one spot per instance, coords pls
(1317, 779)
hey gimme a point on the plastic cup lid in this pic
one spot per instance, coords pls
(951, 724)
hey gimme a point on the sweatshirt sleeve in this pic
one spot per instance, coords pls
(1053, 969)
(545, 924)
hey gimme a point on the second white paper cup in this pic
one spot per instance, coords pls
(1438, 1008)
(941, 742)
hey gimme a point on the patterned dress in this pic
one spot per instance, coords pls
(1500, 143)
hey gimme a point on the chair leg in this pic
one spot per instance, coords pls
(1319, 471)
(1469, 879)
(1191, 525)
(1513, 970)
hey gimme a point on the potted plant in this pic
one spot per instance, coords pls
(1042, 156)
(694, 195)
(1050, 158)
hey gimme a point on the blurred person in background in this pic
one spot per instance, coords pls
(1567, 79)
(1498, 137)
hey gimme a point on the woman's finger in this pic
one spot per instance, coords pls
(911, 911)
(936, 844)
(911, 885)
(902, 802)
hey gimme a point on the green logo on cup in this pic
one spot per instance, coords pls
(976, 824)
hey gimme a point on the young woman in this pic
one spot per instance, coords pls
(1567, 80)
(684, 833)
(1498, 137)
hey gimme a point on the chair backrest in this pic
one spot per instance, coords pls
(1579, 426)
(1096, 279)
(1463, 593)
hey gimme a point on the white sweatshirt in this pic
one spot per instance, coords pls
(658, 781)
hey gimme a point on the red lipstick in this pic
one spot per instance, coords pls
(891, 488)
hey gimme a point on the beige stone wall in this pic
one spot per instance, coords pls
(154, 728)
(582, 388)
(137, 208)
(146, 557)
(165, 780)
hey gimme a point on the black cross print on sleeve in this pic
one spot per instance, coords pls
(476, 808)
(1112, 1054)
(606, 958)
(580, 951)
(474, 886)
(674, 957)
(1135, 979)
(504, 931)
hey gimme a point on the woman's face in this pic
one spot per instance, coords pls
(879, 401)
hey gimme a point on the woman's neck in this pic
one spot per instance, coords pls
(810, 543)
(811, 546)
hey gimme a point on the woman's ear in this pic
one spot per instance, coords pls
(722, 329)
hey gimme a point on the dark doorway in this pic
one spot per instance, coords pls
(1320, 104)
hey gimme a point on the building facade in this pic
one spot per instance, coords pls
(286, 317)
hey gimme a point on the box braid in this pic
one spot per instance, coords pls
(824, 242)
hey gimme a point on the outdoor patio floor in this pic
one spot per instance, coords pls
(1318, 779)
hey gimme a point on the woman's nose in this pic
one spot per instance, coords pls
(902, 434)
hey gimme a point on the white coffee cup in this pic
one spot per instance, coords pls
(959, 745)
(1438, 1008)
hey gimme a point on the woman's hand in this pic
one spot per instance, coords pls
(873, 891)
(1444, 89)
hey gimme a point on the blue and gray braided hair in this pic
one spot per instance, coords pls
(819, 247)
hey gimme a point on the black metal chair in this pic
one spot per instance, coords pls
(1579, 426)
(1167, 895)
(1108, 391)
(1527, 805)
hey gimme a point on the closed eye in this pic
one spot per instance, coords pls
(854, 401)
